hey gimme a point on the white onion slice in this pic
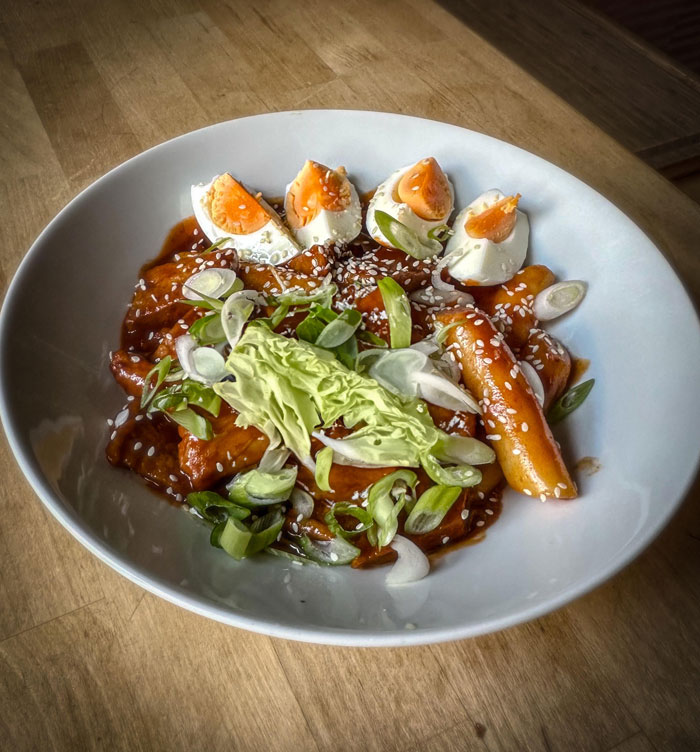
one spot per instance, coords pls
(431, 296)
(302, 503)
(214, 283)
(412, 564)
(558, 299)
(533, 378)
(435, 388)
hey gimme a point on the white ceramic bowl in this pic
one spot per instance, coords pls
(642, 421)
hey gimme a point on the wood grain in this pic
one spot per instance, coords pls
(90, 661)
(628, 88)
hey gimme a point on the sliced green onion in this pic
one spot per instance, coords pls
(431, 508)
(277, 317)
(282, 554)
(209, 364)
(209, 283)
(302, 503)
(569, 401)
(332, 553)
(216, 245)
(351, 510)
(398, 311)
(310, 328)
(194, 423)
(444, 329)
(463, 450)
(160, 371)
(340, 330)
(202, 396)
(234, 538)
(402, 237)
(323, 294)
(324, 462)
(215, 508)
(384, 503)
(440, 233)
(558, 299)
(273, 460)
(204, 301)
(256, 488)
(463, 476)
(208, 330)
(366, 336)
(168, 399)
(240, 541)
(347, 353)
(176, 374)
(237, 309)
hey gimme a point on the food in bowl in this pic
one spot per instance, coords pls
(335, 396)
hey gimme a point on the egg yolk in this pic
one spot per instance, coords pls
(233, 209)
(316, 187)
(495, 223)
(425, 189)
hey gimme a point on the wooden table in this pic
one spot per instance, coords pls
(91, 661)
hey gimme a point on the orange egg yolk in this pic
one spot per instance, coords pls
(425, 189)
(495, 223)
(233, 209)
(316, 187)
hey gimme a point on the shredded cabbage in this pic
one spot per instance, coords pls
(295, 387)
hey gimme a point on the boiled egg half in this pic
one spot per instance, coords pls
(490, 240)
(322, 206)
(419, 196)
(226, 211)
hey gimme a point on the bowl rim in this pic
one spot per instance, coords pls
(72, 522)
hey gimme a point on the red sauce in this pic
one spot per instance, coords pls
(579, 366)
(155, 448)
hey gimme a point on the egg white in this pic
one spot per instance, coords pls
(332, 226)
(271, 244)
(481, 260)
(383, 200)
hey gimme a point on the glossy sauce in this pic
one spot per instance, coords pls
(579, 366)
(155, 458)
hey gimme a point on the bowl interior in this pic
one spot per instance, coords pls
(642, 421)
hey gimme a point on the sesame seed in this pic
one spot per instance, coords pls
(219, 467)
(543, 497)
(480, 523)
(527, 491)
(445, 540)
(464, 514)
(507, 385)
(524, 427)
(151, 451)
(516, 452)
